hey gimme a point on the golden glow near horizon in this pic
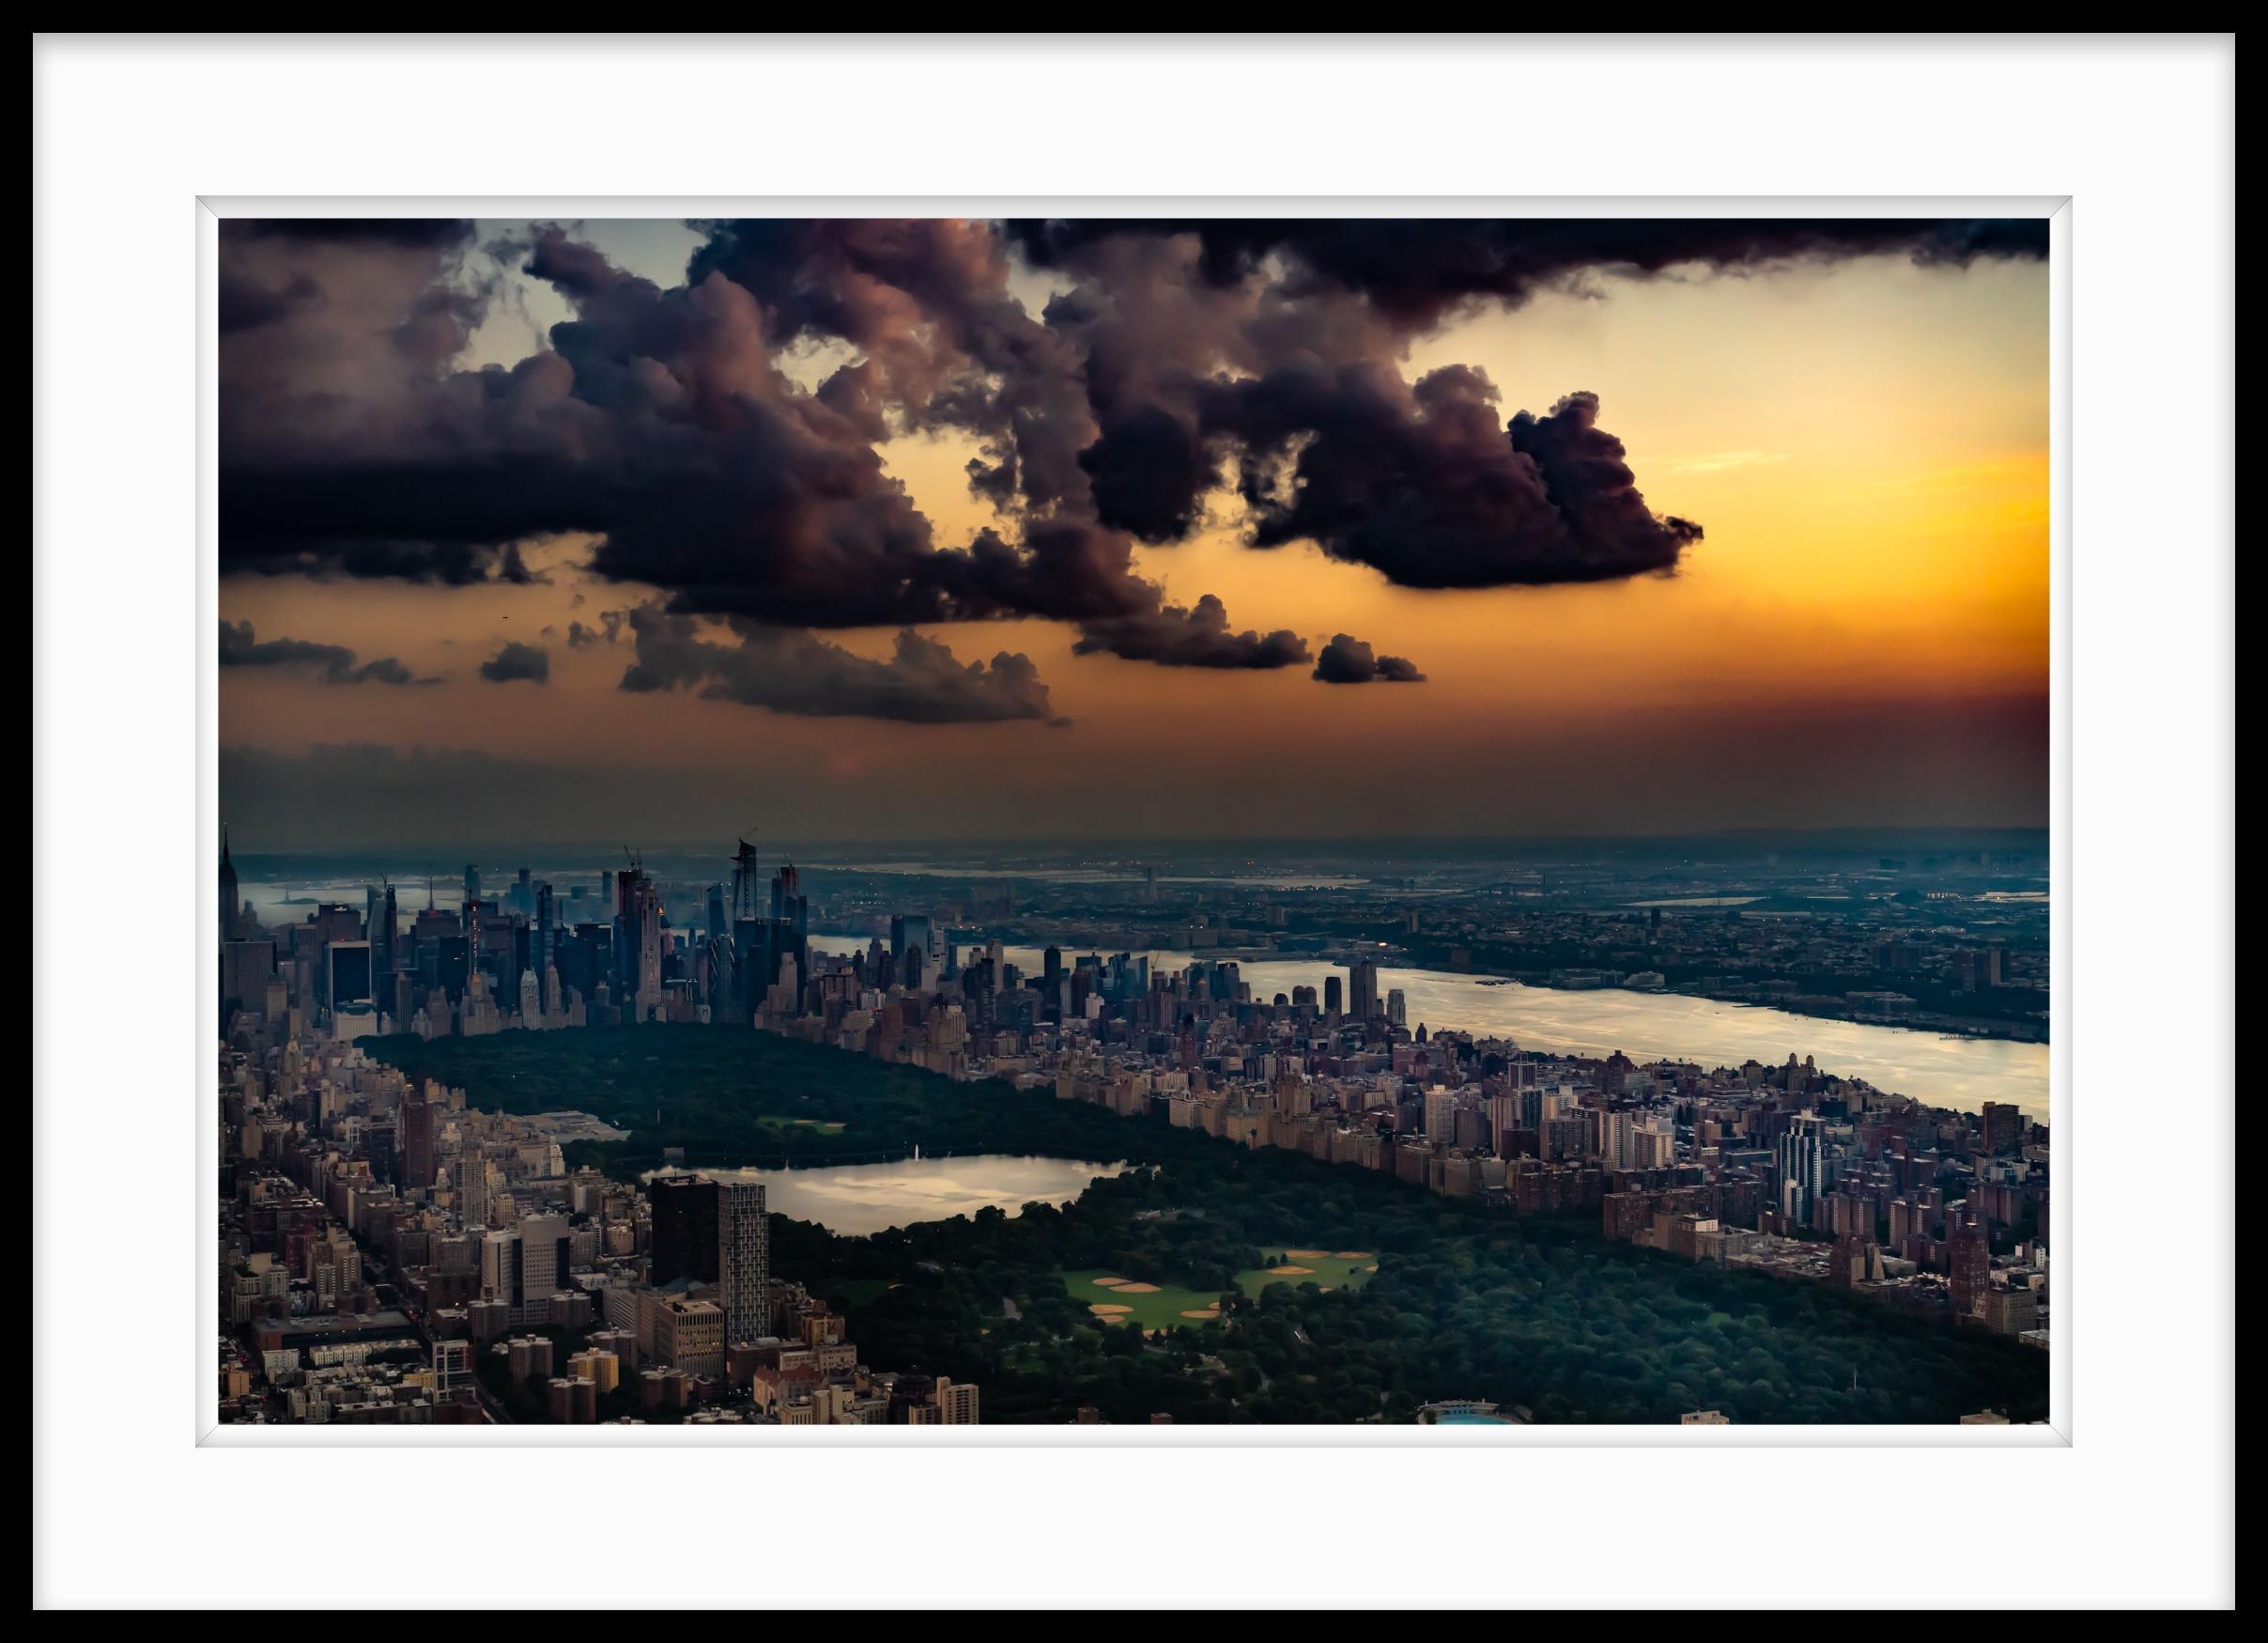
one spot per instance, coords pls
(1865, 445)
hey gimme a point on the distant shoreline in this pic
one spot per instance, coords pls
(1982, 1030)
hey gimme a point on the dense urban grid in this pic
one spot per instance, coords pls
(399, 1247)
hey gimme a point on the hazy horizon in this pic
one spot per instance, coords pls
(1851, 840)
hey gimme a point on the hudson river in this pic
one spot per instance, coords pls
(1938, 1068)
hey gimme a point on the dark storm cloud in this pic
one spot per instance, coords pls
(1347, 660)
(1173, 636)
(1258, 361)
(659, 420)
(334, 663)
(1606, 523)
(1149, 471)
(944, 342)
(247, 302)
(518, 661)
(1302, 395)
(348, 445)
(798, 673)
(1426, 487)
(1416, 270)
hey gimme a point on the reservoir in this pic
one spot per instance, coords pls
(857, 1199)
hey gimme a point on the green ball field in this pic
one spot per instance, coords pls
(1112, 1297)
(1325, 1269)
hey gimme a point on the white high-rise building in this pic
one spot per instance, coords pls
(543, 1256)
(499, 1266)
(1440, 1114)
(956, 1402)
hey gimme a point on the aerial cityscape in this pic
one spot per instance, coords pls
(504, 1154)
(1039, 821)
(762, 884)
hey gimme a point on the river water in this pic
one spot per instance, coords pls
(1942, 1069)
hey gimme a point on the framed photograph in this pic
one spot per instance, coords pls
(1424, 830)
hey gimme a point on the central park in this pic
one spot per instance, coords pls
(1257, 1285)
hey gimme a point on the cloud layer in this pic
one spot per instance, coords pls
(1175, 637)
(515, 663)
(1185, 374)
(1347, 660)
(1415, 270)
(793, 672)
(335, 665)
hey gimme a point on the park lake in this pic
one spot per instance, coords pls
(857, 1199)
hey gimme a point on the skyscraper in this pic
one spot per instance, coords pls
(231, 907)
(1363, 992)
(417, 1142)
(686, 1239)
(346, 974)
(501, 1267)
(245, 966)
(1968, 1257)
(2002, 1126)
(383, 925)
(638, 938)
(544, 1258)
(1800, 1163)
(744, 1261)
(544, 958)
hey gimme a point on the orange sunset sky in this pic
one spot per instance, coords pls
(1860, 639)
